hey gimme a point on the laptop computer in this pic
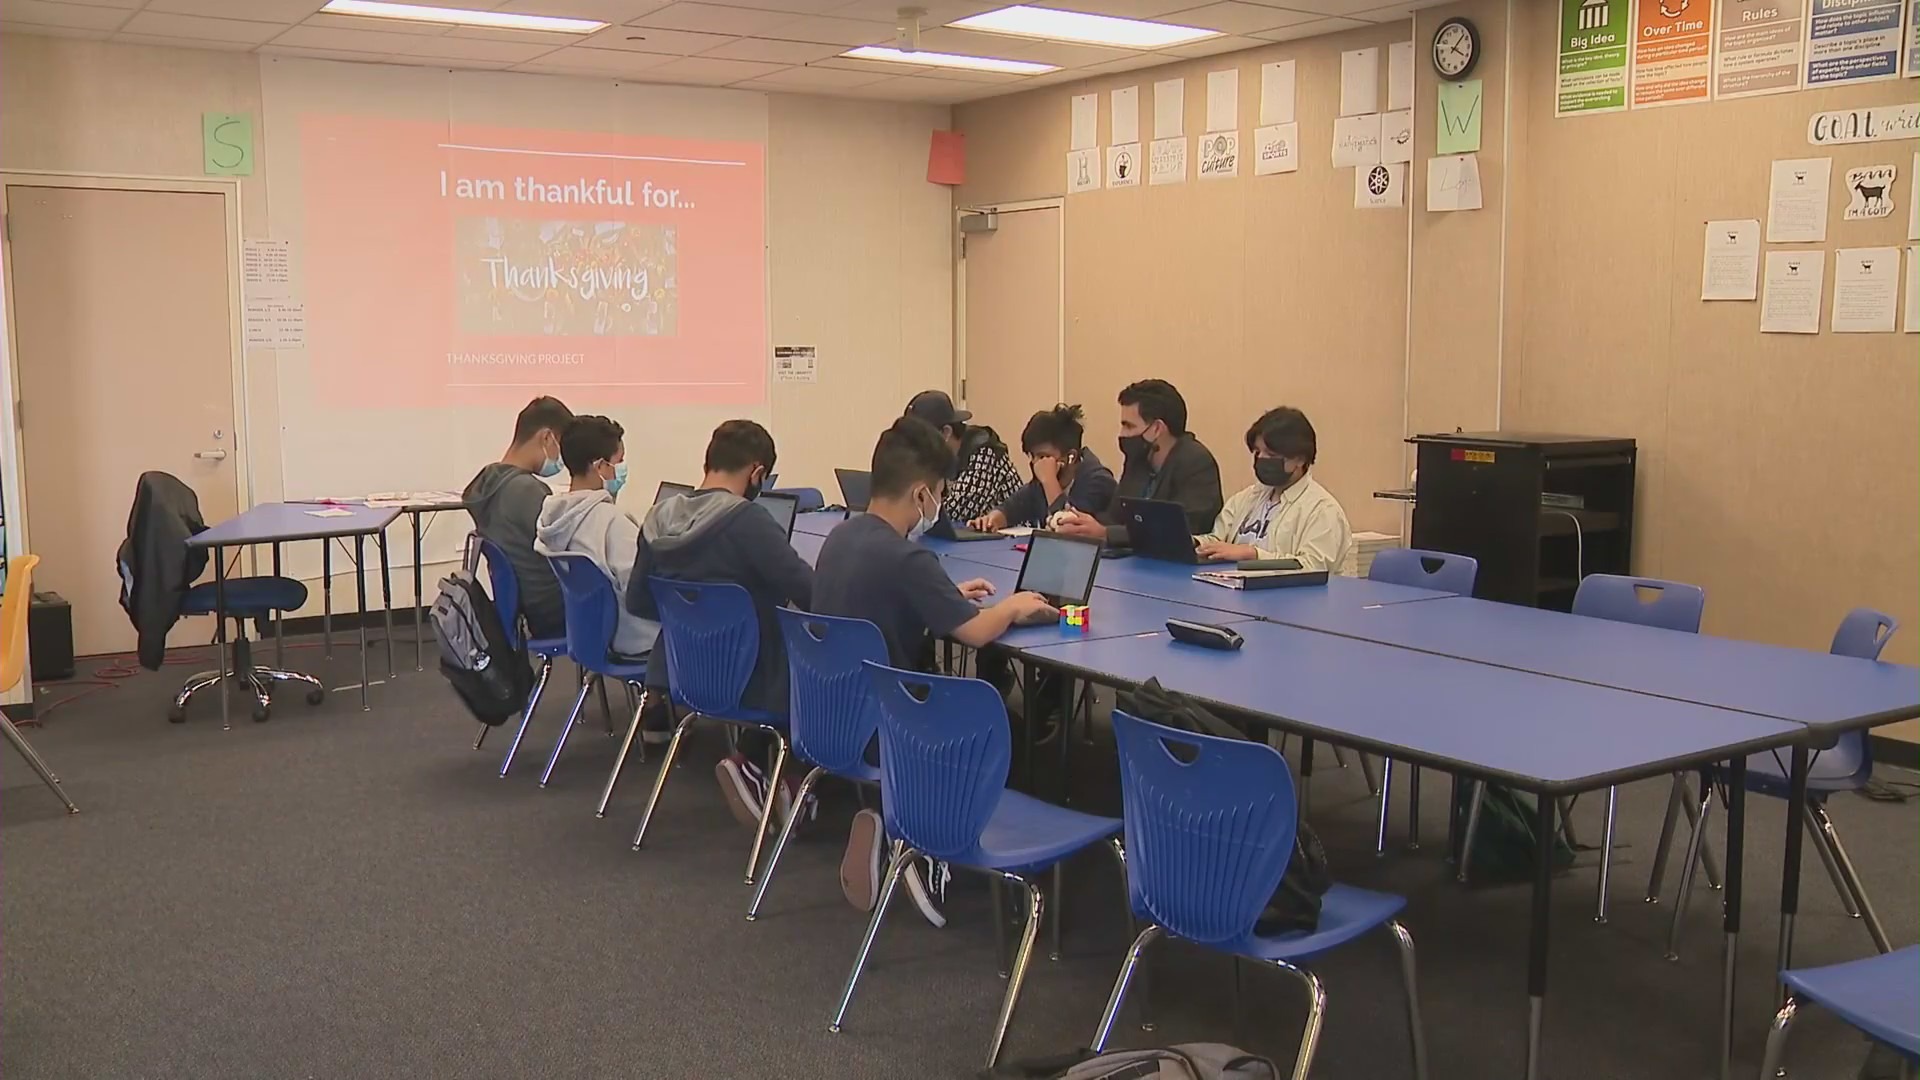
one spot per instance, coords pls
(783, 507)
(1059, 567)
(856, 487)
(668, 487)
(947, 529)
(1157, 529)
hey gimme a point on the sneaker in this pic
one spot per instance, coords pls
(656, 721)
(927, 884)
(745, 787)
(860, 866)
(783, 801)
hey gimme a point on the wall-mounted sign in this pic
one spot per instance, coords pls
(1876, 123)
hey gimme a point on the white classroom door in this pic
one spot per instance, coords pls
(124, 354)
(1012, 362)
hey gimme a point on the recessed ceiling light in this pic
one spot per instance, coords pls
(1078, 26)
(505, 20)
(952, 60)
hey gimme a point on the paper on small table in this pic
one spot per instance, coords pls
(1791, 301)
(1017, 530)
(1866, 290)
(330, 512)
(1730, 266)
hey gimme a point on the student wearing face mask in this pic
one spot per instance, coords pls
(716, 534)
(1163, 461)
(585, 521)
(505, 499)
(870, 568)
(1285, 513)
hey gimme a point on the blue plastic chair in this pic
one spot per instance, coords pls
(944, 752)
(260, 599)
(1210, 826)
(592, 609)
(806, 499)
(1846, 766)
(1643, 601)
(830, 712)
(1879, 995)
(506, 600)
(712, 637)
(1418, 569)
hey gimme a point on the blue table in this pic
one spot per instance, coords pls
(1535, 732)
(284, 523)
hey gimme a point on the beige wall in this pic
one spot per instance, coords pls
(859, 244)
(1245, 293)
(1782, 473)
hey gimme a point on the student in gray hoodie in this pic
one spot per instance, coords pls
(586, 521)
(717, 534)
(505, 499)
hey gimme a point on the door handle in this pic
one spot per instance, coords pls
(211, 455)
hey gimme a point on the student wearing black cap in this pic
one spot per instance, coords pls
(983, 476)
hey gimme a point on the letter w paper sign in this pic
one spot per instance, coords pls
(1672, 52)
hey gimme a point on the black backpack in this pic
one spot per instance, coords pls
(492, 678)
(1295, 905)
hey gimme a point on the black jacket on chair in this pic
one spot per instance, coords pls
(156, 567)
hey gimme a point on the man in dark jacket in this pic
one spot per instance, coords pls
(1164, 461)
(156, 566)
(717, 534)
(505, 499)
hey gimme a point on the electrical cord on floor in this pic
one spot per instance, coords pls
(1894, 791)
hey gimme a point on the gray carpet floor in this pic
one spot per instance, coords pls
(339, 893)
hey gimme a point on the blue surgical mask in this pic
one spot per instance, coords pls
(618, 481)
(550, 467)
(920, 527)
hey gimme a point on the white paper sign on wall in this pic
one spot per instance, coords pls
(1378, 187)
(1878, 123)
(1220, 155)
(1276, 149)
(1870, 192)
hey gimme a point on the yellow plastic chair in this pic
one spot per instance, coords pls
(13, 662)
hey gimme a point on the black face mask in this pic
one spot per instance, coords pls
(1272, 471)
(1136, 449)
(753, 490)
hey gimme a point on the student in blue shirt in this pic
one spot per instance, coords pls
(870, 568)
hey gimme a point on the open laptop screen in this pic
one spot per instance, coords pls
(1060, 568)
(668, 487)
(782, 507)
(856, 486)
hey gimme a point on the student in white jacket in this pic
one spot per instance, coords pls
(1285, 514)
(585, 521)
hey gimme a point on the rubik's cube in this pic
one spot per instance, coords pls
(1079, 615)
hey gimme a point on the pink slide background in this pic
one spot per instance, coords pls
(386, 254)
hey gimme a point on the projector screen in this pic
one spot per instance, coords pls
(461, 265)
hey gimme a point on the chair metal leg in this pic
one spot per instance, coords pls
(1366, 770)
(1709, 865)
(1606, 860)
(1059, 908)
(1386, 801)
(1118, 995)
(33, 759)
(901, 859)
(772, 797)
(1659, 872)
(1833, 868)
(606, 710)
(1821, 820)
(1339, 757)
(999, 928)
(1686, 872)
(526, 714)
(1466, 834)
(1777, 1040)
(1036, 909)
(1565, 805)
(660, 780)
(1413, 808)
(626, 747)
(1316, 1016)
(786, 833)
(1416, 1031)
(588, 680)
(1119, 850)
(482, 737)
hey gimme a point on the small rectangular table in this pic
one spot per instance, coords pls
(284, 523)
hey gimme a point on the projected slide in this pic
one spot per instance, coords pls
(479, 265)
